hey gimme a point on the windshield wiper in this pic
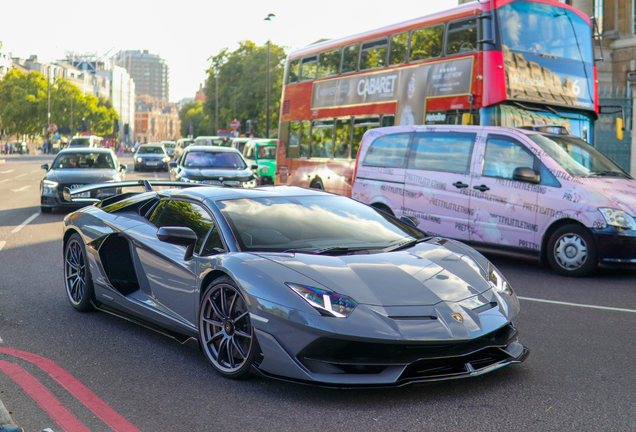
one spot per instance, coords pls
(608, 174)
(407, 244)
(336, 250)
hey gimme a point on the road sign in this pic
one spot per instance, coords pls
(235, 124)
(52, 127)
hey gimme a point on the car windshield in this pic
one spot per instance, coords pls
(266, 152)
(70, 160)
(195, 159)
(80, 142)
(312, 223)
(575, 156)
(151, 150)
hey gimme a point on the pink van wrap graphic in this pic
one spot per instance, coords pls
(485, 209)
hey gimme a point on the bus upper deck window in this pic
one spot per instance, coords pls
(462, 37)
(373, 54)
(427, 42)
(350, 58)
(329, 63)
(293, 71)
(399, 45)
(308, 68)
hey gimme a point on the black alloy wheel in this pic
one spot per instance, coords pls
(77, 276)
(225, 329)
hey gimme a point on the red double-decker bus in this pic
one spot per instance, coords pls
(494, 62)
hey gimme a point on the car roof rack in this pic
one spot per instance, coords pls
(554, 129)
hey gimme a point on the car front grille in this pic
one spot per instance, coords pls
(61, 186)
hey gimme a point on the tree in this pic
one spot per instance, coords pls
(193, 112)
(246, 70)
(23, 102)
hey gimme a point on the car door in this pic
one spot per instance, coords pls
(172, 280)
(437, 180)
(503, 208)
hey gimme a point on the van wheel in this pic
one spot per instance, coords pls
(317, 184)
(572, 252)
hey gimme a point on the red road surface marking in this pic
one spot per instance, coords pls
(43, 397)
(77, 389)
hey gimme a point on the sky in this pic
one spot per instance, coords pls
(187, 33)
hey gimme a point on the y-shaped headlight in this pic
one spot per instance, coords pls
(497, 280)
(328, 303)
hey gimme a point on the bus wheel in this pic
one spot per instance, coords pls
(317, 184)
(571, 251)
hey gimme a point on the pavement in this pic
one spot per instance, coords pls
(5, 417)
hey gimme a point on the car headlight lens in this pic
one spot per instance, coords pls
(250, 184)
(139, 159)
(497, 280)
(166, 159)
(328, 303)
(265, 170)
(49, 186)
(617, 218)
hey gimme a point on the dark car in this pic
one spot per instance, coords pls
(292, 283)
(76, 167)
(213, 165)
(151, 157)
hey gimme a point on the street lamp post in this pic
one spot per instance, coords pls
(268, 18)
(234, 103)
(216, 96)
(48, 108)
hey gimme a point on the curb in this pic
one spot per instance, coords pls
(5, 418)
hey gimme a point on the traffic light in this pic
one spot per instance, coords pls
(248, 127)
(126, 129)
(115, 126)
(83, 124)
(255, 127)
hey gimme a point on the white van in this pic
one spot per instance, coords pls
(534, 189)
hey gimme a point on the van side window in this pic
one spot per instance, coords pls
(389, 151)
(547, 178)
(442, 151)
(503, 155)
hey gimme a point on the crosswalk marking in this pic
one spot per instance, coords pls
(21, 189)
(25, 223)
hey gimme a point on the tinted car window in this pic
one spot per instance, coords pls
(151, 150)
(84, 160)
(266, 152)
(445, 152)
(388, 151)
(195, 159)
(183, 214)
(503, 155)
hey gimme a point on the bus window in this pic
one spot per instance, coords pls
(388, 120)
(343, 139)
(329, 63)
(293, 71)
(322, 139)
(360, 126)
(308, 68)
(427, 42)
(399, 47)
(373, 54)
(350, 58)
(461, 37)
(294, 133)
(304, 138)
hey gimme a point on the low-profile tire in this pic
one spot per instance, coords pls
(225, 330)
(317, 184)
(78, 282)
(46, 209)
(572, 251)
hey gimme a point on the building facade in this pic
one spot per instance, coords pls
(149, 71)
(156, 120)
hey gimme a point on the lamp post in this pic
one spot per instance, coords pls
(268, 18)
(234, 103)
(216, 95)
(48, 107)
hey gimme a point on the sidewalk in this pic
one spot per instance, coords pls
(5, 418)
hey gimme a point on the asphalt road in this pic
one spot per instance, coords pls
(579, 376)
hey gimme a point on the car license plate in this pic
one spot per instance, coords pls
(82, 195)
(152, 163)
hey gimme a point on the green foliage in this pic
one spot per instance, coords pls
(23, 105)
(193, 112)
(242, 76)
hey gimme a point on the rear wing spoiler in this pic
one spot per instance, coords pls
(146, 184)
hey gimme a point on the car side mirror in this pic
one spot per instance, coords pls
(122, 167)
(526, 174)
(180, 236)
(172, 164)
(254, 167)
(45, 167)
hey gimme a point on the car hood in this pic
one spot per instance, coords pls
(216, 174)
(607, 192)
(423, 275)
(81, 175)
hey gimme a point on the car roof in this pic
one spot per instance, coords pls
(85, 150)
(211, 149)
(218, 193)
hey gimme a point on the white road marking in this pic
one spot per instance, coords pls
(2, 243)
(7, 171)
(21, 189)
(578, 305)
(37, 170)
(2, 181)
(21, 175)
(26, 222)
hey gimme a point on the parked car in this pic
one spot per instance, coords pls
(181, 145)
(292, 283)
(77, 167)
(536, 190)
(170, 147)
(212, 141)
(151, 157)
(262, 152)
(213, 165)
